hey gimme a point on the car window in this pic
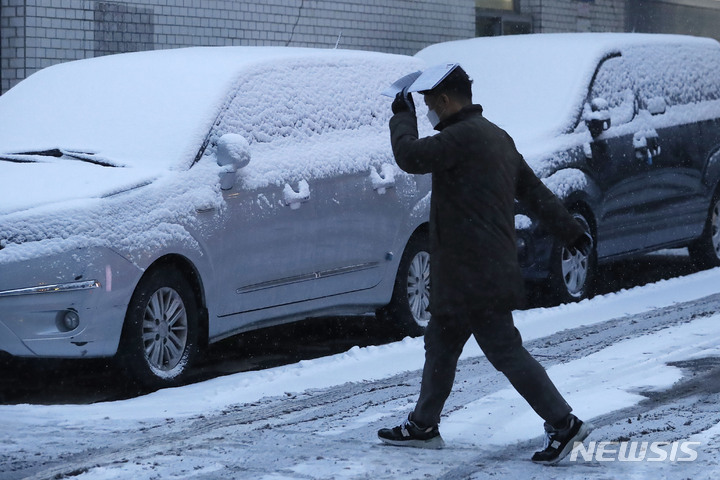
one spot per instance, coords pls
(677, 74)
(312, 117)
(287, 102)
(614, 83)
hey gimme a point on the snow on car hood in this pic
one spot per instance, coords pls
(28, 185)
(161, 210)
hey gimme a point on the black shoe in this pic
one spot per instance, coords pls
(409, 434)
(560, 442)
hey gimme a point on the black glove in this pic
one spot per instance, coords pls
(403, 102)
(582, 245)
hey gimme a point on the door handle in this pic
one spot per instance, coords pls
(383, 180)
(294, 198)
(646, 146)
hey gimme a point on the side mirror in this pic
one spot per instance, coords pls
(656, 105)
(233, 153)
(597, 116)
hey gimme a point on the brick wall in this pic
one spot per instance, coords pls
(552, 16)
(12, 41)
(39, 33)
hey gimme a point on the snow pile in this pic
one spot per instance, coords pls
(566, 181)
(659, 74)
(158, 106)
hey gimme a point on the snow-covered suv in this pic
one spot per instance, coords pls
(625, 128)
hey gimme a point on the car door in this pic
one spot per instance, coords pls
(360, 195)
(264, 249)
(672, 86)
(264, 253)
(360, 216)
(316, 211)
(617, 161)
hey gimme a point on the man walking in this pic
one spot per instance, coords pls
(477, 173)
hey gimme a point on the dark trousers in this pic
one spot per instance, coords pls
(498, 338)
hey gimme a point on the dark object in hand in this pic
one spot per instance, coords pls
(403, 102)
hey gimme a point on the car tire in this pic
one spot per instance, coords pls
(160, 335)
(705, 251)
(407, 310)
(572, 275)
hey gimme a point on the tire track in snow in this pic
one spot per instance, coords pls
(687, 408)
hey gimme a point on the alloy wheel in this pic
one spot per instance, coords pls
(574, 271)
(715, 229)
(164, 329)
(575, 267)
(418, 288)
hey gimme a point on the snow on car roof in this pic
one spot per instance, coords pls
(130, 108)
(534, 85)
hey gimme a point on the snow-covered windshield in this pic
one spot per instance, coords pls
(149, 109)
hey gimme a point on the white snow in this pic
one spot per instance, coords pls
(48, 182)
(566, 181)
(522, 222)
(152, 215)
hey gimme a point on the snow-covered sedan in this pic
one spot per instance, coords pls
(625, 128)
(151, 203)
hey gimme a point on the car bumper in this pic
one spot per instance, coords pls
(90, 286)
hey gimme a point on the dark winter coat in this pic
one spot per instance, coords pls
(476, 175)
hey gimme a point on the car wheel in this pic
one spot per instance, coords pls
(705, 251)
(160, 335)
(411, 293)
(572, 274)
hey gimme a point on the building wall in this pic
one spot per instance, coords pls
(701, 18)
(39, 33)
(12, 40)
(553, 16)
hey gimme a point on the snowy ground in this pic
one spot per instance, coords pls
(642, 365)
